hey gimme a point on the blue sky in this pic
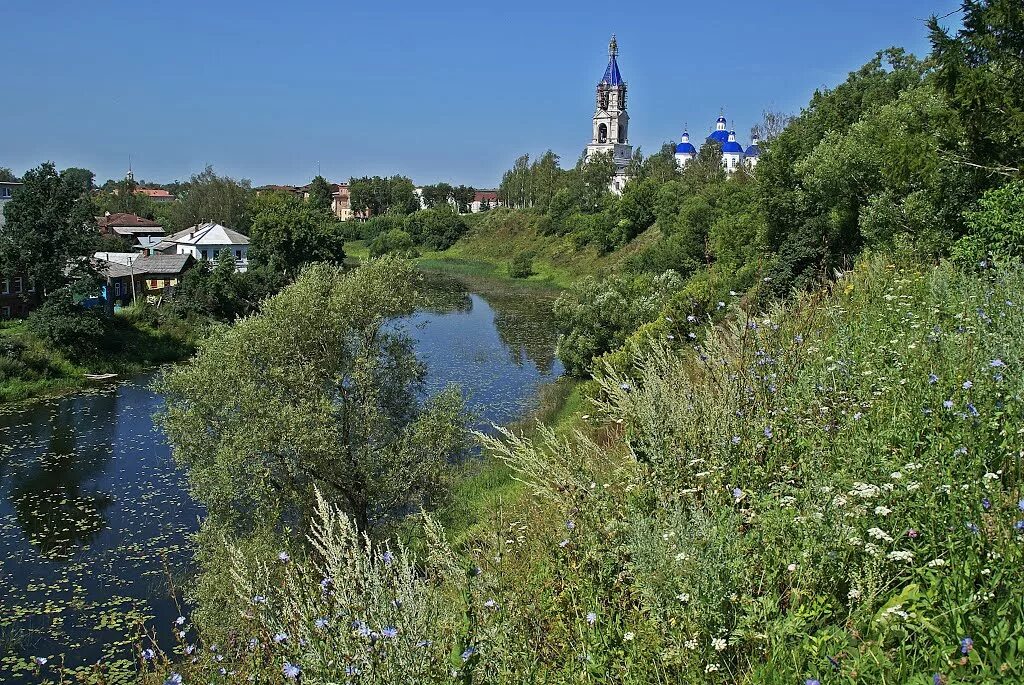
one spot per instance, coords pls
(436, 91)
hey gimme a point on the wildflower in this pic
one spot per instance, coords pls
(1018, 526)
(938, 679)
(570, 524)
(973, 410)
(721, 305)
(812, 681)
(1020, 505)
(190, 649)
(691, 318)
(326, 584)
(986, 504)
(683, 597)
(901, 555)
(490, 604)
(966, 645)
(719, 644)
(968, 385)
(424, 643)
(290, 670)
(259, 599)
(711, 668)
(389, 632)
(947, 404)
(320, 623)
(996, 363)
(858, 416)
(283, 557)
(768, 432)
(791, 568)
(991, 476)
(854, 593)
(173, 679)
(40, 660)
(912, 533)
(180, 621)
(591, 618)
(253, 644)
(735, 439)
(470, 651)
(972, 527)
(624, 387)
(387, 557)
(628, 637)
(936, 563)
(148, 654)
(879, 534)
(281, 638)
(737, 494)
(932, 379)
(882, 510)
(564, 543)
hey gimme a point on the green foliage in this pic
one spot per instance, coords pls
(207, 196)
(320, 194)
(48, 226)
(287, 233)
(377, 195)
(67, 326)
(435, 229)
(394, 241)
(981, 71)
(337, 412)
(521, 265)
(996, 227)
(221, 293)
(596, 316)
(7, 175)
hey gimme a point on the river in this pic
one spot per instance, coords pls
(94, 513)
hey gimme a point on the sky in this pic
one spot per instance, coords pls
(442, 91)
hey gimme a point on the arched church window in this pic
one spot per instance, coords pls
(622, 133)
(602, 133)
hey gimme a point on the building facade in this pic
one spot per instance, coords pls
(204, 242)
(610, 125)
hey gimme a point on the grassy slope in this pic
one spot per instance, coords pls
(496, 236)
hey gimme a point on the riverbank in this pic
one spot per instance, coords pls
(496, 237)
(31, 368)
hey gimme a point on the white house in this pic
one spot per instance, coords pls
(206, 241)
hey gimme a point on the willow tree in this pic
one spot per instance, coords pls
(319, 391)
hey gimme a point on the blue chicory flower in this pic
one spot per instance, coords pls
(966, 645)
(290, 670)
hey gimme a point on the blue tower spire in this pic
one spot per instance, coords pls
(611, 75)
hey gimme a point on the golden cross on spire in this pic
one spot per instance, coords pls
(613, 47)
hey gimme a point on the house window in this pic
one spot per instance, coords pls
(31, 286)
(5, 192)
(117, 289)
(17, 284)
(152, 283)
(6, 312)
(6, 287)
(238, 254)
(205, 255)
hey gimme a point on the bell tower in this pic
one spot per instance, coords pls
(611, 122)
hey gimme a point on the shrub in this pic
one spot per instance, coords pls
(521, 265)
(394, 241)
(435, 229)
(996, 227)
(67, 326)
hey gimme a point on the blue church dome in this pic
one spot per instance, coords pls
(720, 137)
(685, 147)
(753, 151)
(730, 145)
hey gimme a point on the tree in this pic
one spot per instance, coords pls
(463, 196)
(377, 195)
(79, 178)
(394, 242)
(48, 228)
(321, 194)
(273, 409)
(981, 71)
(435, 229)
(7, 176)
(209, 197)
(287, 233)
(771, 125)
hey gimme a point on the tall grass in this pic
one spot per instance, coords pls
(829, 491)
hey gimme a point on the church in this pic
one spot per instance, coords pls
(610, 133)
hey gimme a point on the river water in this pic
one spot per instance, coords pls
(94, 513)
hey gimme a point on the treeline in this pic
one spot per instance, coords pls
(922, 156)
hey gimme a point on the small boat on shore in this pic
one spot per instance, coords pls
(99, 377)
